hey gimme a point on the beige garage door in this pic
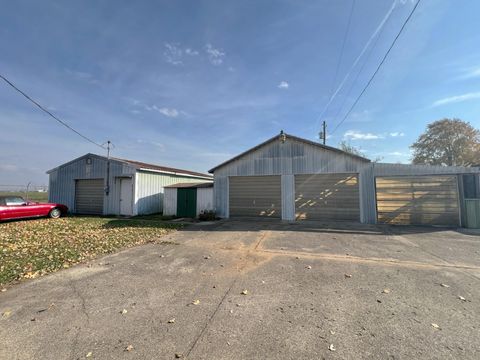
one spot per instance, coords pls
(89, 196)
(417, 200)
(255, 196)
(327, 197)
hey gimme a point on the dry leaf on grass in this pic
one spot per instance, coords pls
(331, 347)
(196, 302)
(129, 348)
(244, 292)
(445, 285)
(436, 326)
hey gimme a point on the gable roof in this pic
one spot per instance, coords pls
(288, 136)
(141, 166)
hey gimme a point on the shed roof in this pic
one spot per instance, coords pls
(191, 185)
(288, 136)
(141, 166)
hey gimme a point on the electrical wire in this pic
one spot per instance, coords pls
(49, 113)
(378, 68)
(340, 58)
(372, 37)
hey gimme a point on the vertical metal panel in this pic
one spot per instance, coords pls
(62, 180)
(170, 201)
(204, 199)
(368, 214)
(472, 213)
(288, 197)
(150, 189)
(276, 158)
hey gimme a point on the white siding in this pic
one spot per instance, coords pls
(170, 201)
(204, 199)
(149, 197)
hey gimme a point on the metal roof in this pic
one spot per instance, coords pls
(191, 185)
(140, 166)
(288, 136)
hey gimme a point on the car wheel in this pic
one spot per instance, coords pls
(55, 213)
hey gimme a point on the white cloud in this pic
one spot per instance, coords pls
(173, 54)
(358, 135)
(457, 98)
(397, 134)
(283, 85)
(169, 112)
(215, 56)
(191, 52)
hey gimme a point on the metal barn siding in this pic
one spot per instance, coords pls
(204, 199)
(288, 197)
(170, 201)
(277, 158)
(149, 190)
(62, 180)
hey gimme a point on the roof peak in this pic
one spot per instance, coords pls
(283, 137)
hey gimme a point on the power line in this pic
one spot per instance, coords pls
(372, 37)
(48, 112)
(340, 58)
(378, 67)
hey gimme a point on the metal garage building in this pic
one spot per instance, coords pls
(93, 184)
(291, 178)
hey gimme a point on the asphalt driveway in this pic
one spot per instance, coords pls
(258, 290)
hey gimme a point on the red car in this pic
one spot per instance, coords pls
(15, 207)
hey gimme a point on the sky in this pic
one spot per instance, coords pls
(190, 84)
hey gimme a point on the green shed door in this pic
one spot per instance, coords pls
(187, 202)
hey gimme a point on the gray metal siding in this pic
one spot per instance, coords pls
(62, 180)
(288, 197)
(150, 189)
(276, 158)
(294, 157)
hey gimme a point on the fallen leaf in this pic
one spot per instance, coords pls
(348, 275)
(171, 321)
(6, 313)
(445, 285)
(178, 355)
(332, 332)
(124, 311)
(436, 326)
(206, 257)
(89, 354)
(386, 291)
(129, 348)
(3, 290)
(244, 292)
(196, 302)
(331, 347)
(462, 298)
(308, 267)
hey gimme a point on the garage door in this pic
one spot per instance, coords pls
(255, 196)
(418, 200)
(327, 197)
(89, 196)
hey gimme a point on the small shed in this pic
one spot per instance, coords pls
(188, 199)
(97, 185)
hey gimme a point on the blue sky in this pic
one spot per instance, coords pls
(190, 84)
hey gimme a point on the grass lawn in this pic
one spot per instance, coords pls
(32, 248)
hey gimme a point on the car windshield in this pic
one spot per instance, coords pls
(14, 200)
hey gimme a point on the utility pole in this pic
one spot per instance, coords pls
(107, 186)
(323, 133)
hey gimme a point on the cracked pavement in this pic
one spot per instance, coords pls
(373, 292)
